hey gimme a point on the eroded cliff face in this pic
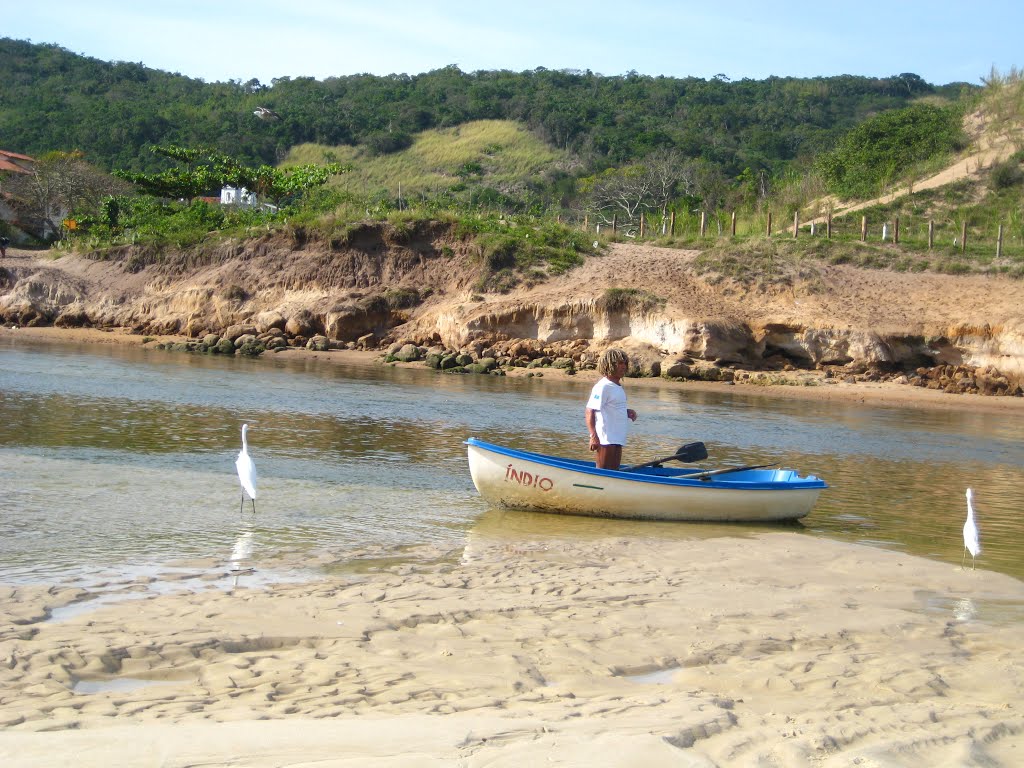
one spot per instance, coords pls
(382, 287)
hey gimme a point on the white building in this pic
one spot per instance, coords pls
(238, 196)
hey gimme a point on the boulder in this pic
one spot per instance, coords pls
(409, 353)
(233, 332)
(676, 369)
(319, 343)
(303, 323)
(265, 321)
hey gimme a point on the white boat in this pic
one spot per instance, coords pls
(517, 479)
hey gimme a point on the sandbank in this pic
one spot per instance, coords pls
(774, 649)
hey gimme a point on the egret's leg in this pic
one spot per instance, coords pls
(241, 507)
(963, 559)
(253, 505)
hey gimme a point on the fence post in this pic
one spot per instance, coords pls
(828, 227)
(999, 243)
(769, 229)
(931, 234)
(672, 224)
(703, 223)
(586, 223)
(963, 237)
(615, 224)
(796, 223)
(642, 227)
(896, 231)
(863, 229)
(733, 228)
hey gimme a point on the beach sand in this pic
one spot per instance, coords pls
(775, 649)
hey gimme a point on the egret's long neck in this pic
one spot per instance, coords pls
(245, 444)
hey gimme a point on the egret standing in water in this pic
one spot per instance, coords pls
(246, 471)
(971, 542)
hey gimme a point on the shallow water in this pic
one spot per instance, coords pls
(117, 464)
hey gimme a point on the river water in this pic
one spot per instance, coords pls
(117, 464)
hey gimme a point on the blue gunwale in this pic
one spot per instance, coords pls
(750, 479)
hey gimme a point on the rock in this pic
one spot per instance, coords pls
(233, 332)
(224, 347)
(245, 338)
(409, 353)
(71, 319)
(303, 323)
(319, 343)
(366, 341)
(211, 339)
(677, 369)
(266, 321)
(253, 347)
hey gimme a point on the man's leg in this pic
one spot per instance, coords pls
(609, 456)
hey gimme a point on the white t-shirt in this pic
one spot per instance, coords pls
(608, 400)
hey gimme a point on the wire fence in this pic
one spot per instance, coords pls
(987, 243)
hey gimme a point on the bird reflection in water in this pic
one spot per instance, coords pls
(241, 555)
(964, 609)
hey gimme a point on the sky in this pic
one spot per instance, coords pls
(221, 40)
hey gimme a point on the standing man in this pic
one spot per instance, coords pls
(4, 242)
(607, 415)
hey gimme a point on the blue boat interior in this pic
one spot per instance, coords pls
(748, 479)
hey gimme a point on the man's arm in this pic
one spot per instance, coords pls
(590, 418)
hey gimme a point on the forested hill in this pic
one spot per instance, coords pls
(52, 99)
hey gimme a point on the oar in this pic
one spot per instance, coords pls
(688, 453)
(709, 473)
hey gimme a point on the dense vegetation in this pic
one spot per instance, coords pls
(881, 149)
(505, 156)
(53, 99)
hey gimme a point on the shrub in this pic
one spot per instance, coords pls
(882, 148)
(1006, 174)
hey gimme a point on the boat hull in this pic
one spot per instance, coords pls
(523, 480)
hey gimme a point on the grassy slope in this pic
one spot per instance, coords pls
(506, 152)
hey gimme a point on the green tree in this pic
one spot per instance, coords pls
(206, 171)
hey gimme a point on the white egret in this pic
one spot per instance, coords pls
(266, 114)
(246, 471)
(971, 541)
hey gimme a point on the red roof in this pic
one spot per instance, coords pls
(7, 165)
(16, 156)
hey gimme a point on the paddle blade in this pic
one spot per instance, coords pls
(691, 452)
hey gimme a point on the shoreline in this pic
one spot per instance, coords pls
(772, 649)
(884, 394)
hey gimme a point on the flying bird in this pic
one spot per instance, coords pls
(246, 471)
(971, 542)
(266, 114)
